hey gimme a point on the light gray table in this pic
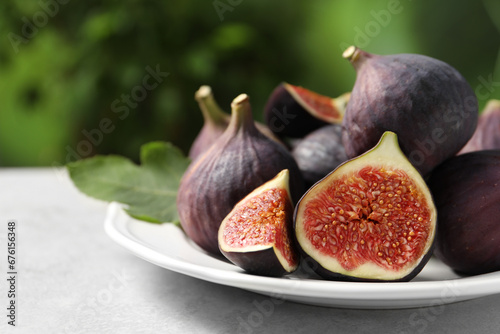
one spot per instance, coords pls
(72, 278)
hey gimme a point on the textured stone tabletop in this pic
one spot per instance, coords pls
(72, 278)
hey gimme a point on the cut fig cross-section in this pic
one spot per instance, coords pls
(257, 234)
(293, 111)
(371, 219)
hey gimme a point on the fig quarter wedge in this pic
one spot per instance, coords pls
(257, 234)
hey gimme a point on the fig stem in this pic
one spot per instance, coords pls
(356, 56)
(241, 114)
(350, 53)
(211, 111)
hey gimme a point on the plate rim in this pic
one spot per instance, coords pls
(297, 288)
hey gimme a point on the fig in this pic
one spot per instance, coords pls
(371, 219)
(427, 102)
(294, 111)
(257, 234)
(215, 122)
(239, 161)
(487, 134)
(320, 152)
(466, 190)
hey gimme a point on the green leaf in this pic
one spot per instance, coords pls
(149, 190)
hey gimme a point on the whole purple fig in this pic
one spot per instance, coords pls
(425, 101)
(466, 190)
(487, 134)
(239, 161)
(320, 152)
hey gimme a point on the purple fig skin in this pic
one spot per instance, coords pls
(320, 152)
(466, 190)
(426, 102)
(286, 117)
(215, 122)
(487, 134)
(238, 162)
(262, 263)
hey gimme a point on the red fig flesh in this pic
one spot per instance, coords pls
(372, 218)
(256, 234)
(294, 111)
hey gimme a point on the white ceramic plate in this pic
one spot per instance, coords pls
(167, 246)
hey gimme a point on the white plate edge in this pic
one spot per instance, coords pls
(464, 288)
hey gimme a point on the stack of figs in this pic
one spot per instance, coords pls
(365, 186)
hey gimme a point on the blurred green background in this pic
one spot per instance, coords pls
(75, 76)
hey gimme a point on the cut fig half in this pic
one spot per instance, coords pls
(257, 234)
(371, 219)
(294, 111)
(330, 110)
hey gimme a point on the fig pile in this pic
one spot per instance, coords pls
(239, 160)
(365, 186)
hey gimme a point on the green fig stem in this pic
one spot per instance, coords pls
(241, 114)
(356, 56)
(211, 111)
(491, 107)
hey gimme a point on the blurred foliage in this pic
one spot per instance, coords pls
(72, 72)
